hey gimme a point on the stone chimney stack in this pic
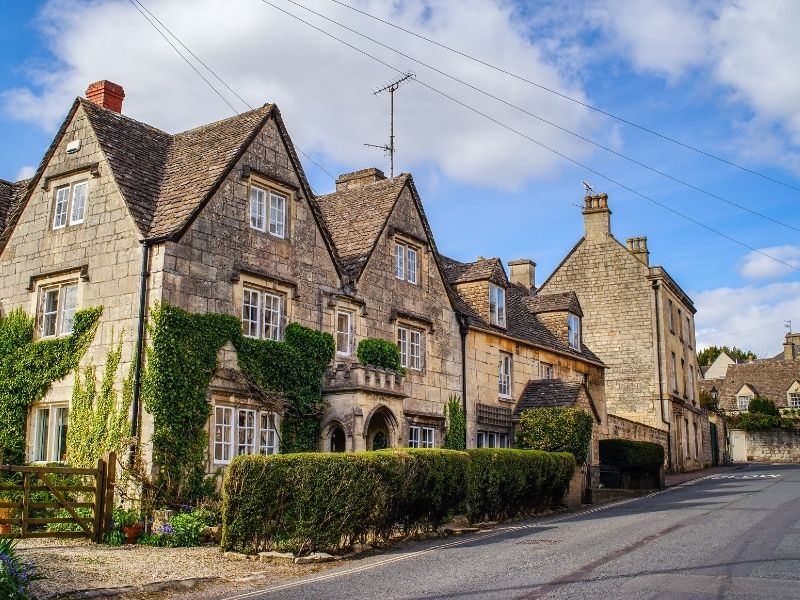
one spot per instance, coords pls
(596, 217)
(523, 272)
(638, 247)
(106, 94)
(791, 347)
(358, 179)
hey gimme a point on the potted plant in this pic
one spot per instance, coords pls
(5, 513)
(129, 523)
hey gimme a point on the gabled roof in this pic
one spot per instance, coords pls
(482, 269)
(356, 217)
(768, 378)
(521, 322)
(560, 302)
(11, 195)
(553, 393)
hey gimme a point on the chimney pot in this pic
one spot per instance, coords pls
(638, 247)
(596, 217)
(106, 94)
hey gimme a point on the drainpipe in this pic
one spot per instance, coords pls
(137, 368)
(661, 398)
(463, 329)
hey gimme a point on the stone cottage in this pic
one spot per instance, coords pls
(640, 323)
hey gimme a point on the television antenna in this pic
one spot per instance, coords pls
(391, 88)
(788, 326)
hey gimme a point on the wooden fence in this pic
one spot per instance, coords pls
(38, 494)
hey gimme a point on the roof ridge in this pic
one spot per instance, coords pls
(265, 107)
(118, 115)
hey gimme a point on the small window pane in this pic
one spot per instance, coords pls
(497, 305)
(481, 439)
(427, 437)
(268, 436)
(60, 211)
(415, 349)
(794, 400)
(413, 437)
(257, 208)
(223, 434)
(62, 421)
(411, 266)
(399, 261)
(504, 387)
(69, 304)
(272, 317)
(250, 311)
(402, 343)
(246, 432)
(78, 202)
(49, 311)
(743, 402)
(277, 215)
(343, 333)
(42, 425)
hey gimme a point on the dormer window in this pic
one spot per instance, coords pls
(743, 402)
(794, 400)
(497, 305)
(574, 331)
(267, 211)
(70, 204)
(406, 263)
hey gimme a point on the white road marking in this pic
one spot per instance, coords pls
(745, 477)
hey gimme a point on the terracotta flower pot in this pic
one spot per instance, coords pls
(5, 513)
(133, 532)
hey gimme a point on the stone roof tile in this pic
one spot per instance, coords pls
(564, 301)
(548, 393)
(768, 378)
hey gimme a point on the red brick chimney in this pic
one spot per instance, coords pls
(106, 94)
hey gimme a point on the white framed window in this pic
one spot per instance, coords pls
(262, 314)
(411, 343)
(574, 331)
(57, 306)
(497, 305)
(41, 432)
(492, 439)
(223, 434)
(421, 437)
(246, 431)
(504, 379)
(267, 211)
(545, 370)
(344, 332)
(258, 208)
(794, 400)
(743, 403)
(61, 425)
(243, 431)
(406, 264)
(267, 434)
(70, 204)
(277, 215)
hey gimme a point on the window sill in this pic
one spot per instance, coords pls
(505, 398)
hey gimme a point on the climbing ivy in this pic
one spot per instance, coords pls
(28, 368)
(182, 358)
(98, 423)
(456, 436)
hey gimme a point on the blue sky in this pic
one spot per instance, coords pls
(717, 75)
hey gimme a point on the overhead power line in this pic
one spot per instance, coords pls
(548, 122)
(766, 326)
(571, 98)
(531, 139)
(142, 9)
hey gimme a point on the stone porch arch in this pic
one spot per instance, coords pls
(381, 428)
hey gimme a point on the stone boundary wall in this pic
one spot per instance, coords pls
(626, 429)
(772, 445)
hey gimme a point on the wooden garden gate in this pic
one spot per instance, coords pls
(35, 489)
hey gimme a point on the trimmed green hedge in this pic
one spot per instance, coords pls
(556, 430)
(325, 501)
(763, 406)
(379, 353)
(632, 457)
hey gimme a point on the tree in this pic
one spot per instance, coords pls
(710, 354)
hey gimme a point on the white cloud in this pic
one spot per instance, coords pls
(750, 317)
(323, 88)
(25, 172)
(757, 266)
(746, 49)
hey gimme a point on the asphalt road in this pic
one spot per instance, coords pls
(734, 535)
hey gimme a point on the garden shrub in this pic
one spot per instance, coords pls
(632, 457)
(503, 483)
(756, 421)
(316, 501)
(379, 353)
(556, 430)
(763, 406)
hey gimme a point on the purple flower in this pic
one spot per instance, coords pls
(167, 529)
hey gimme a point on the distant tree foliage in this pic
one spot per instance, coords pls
(710, 354)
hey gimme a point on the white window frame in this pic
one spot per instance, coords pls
(224, 442)
(63, 313)
(545, 370)
(497, 305)
(421, 436)
(258, 434)
(574, 331)
(793, 400)
(743, 403)
(41, 434)
(406, 262)
(258, 208)
(411, 342)
(277, 214)
(412, 265)
(266, 316)
(268, 210)
(60, 429)
(492, 439)
(246, 432)
(46, 420)
(399, 261)
(347, 334)
(64, 204)
(505, 375)
(267, 434)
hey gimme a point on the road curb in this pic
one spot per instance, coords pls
(157, 586)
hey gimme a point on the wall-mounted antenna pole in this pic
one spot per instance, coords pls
(391, 88)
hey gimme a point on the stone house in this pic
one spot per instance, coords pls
(718, 368)
(640, 323)
(521, 351)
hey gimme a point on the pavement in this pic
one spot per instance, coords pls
(733, 533)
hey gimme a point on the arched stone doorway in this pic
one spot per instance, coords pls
(337, 439)
(380, 429)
